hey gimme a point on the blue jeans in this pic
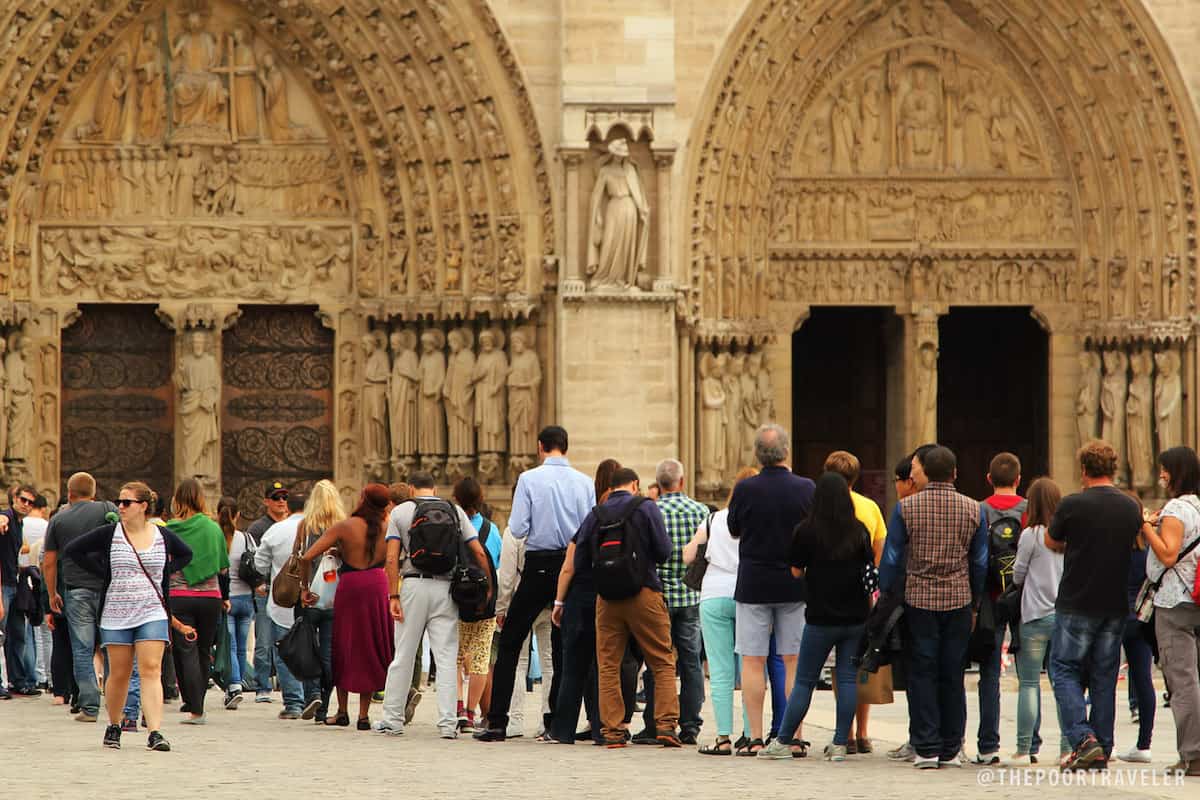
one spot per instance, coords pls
(19, 655)
(989, 697)
(241, 614)
(293, 689)
(264, 647)
(1035, 643)
(815, 645)
(1141, 679)
(1086, 650)
(937, 699)
(82, 607)
(685, 636)
(320, 688)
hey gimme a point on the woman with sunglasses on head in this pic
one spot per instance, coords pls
(199, 593)
(134, 558)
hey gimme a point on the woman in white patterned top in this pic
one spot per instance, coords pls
(1170, 533)
(134, 558)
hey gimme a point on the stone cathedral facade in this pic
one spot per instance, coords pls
(262, 239)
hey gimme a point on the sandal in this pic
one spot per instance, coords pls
(741, 742)
(722, 747)
(364, 723)
(342, 720)
(802, 748)
(748, 749)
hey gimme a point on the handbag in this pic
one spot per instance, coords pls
(285, 589)
(1143, 604)
(693, 577)
(870, 573)
(299, 649)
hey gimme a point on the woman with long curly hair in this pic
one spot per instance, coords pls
(363, 634)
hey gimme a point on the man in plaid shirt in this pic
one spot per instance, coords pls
(683, 516)
(936, 553)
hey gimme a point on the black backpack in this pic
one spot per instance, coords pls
(1004, 534)
(469, 584)
(617, 567)
(434, 537)
(246, 569)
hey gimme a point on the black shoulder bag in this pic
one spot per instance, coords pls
(693, 578)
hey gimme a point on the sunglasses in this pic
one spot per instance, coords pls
(126, 502)
(24, 499)
(278, 497)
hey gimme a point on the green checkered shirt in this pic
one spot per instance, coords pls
(682, 516)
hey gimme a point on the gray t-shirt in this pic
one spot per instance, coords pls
(65, 527)
(401, 521)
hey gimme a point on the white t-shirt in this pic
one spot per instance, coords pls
(237, 586)
(401, 521)
(720, 579)
(1177, 584)
(271, 557)
(33, 531)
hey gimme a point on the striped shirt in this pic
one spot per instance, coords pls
(132, 598)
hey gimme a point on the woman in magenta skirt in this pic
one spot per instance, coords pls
(363, 633)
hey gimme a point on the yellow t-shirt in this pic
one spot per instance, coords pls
(868, 513)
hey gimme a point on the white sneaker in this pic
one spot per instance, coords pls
(921, 762)
(514, 731)
(1020, 760)
(959, 760)
(387, 728)
(835, 752)
(1135, 756)
(776, 749)
(904, 752)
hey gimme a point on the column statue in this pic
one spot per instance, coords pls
(490, 377)
(1112, 405)
(619, 221)
(712, 422)
(927, 378)
(375, 402)
(1168, 395)
(402, 399)
(459, 395)
(199, 381)
(1139, 415)
(524, 386)
(431, 415)
(1087, 401)
(732, 383)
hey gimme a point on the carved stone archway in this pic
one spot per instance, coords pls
(180, 152)
(923, 153)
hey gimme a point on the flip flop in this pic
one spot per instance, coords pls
(721, 747)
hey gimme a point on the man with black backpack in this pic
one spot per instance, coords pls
(620, 543)
(430, 543)
(1004, 512)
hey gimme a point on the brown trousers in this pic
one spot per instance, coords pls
(643, 616)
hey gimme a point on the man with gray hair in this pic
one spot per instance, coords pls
(763, 513)
(682, 516)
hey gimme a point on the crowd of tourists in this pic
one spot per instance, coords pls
(143, 600)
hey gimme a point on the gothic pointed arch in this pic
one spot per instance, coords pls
(902, 150)
(407, 122)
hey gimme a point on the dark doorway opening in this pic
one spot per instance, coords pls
(993, 382)
(839, 392)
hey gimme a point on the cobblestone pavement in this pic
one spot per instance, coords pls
(240, 754)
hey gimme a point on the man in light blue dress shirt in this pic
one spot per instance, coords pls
(550, 503)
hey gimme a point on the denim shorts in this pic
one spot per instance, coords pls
(153, 631)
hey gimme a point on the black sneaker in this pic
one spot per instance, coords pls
(687, 737)
(645, 737)
(157, 741)
(112, 737)
(1086, 754)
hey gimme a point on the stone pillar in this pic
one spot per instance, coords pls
(198, 389)
(1063, 346)
(619, 380)
(665, 278)
(921, 373)
(348, 327)
(572, 283)
(41, 331)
